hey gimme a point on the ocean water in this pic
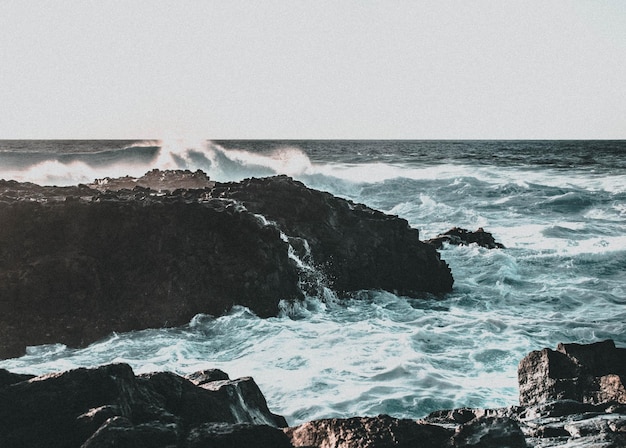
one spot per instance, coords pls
(558, 207)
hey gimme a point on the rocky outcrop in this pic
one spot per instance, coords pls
(593, 420)
(355, 247)
(562, 423)
(110, 406)
(463, 237)
(73, 271)
(368, 432)
(594, 373)
(77, 263)
(157, 180)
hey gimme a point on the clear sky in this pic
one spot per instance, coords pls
(313, 69)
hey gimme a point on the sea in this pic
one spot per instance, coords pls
(558, 207)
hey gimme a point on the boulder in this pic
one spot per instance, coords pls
(239, 435)
(489, 432)
(368, 432)
(110, 406)
(77, 263)
(556, 424)
(463, 237)
(592, 373)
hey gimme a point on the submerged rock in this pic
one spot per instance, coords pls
(78, 263)
(463, 237)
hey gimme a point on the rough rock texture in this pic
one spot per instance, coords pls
(368, 432)
(77, 263)
(355, 246)
(110, 406)
(158, 180)
(463, 237)
(72, 271)
(593, 373)
(563, 423)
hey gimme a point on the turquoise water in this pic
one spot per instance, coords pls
(558, 207)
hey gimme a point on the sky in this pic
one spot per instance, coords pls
(291, 69)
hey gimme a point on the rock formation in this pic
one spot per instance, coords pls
(77, 263)
(368, 432)
(594, 373)
(157, 180)
(463, 237)
(110, 406)
(355, 246)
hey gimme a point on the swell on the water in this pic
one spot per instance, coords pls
(54, 168)
(560, 278)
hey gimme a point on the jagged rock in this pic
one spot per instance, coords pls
(463, 237)
(110, 406)
(90, 263)
(593, 373)
(73, 272)
(7, 378)
(225, 435)
(487, 432)
(546, 425)
(207, 376)
(158, 180)
(119, 432)
(368, 432)
(355, 246)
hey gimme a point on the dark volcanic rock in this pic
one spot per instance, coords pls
(74, 271)
(158, 180)
(109, 406)
(368, 432)
(593, 373)
(486, 432)
(355, 246)
(77, 263)
(7, 378)
(225, 435)
(463, 237)
(547, 425)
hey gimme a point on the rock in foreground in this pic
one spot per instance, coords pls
(77, 263)
(110, 406)
(594, 373)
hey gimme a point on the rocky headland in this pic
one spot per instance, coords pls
(80, 262)
(571, 397)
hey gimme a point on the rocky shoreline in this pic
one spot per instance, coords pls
(571, 397)
(77, 263)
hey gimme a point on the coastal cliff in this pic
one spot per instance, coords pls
(77, 263)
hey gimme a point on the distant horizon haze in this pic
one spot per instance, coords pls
(393, 70)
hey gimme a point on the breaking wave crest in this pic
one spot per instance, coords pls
(560, 278)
